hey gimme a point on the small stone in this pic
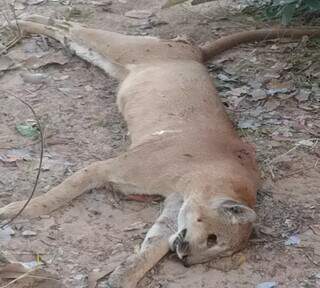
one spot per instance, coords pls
(293, 241)
(61, 78)
(45, 167)
(135, 226)
(248, 124)
(19, 6)
(308, 143)
(267, 231)
(88, 88)
(29, 233)
(78, 277)
(65, 91)
(224, 77)
(34, 78)
(267, 285)
(239, 91)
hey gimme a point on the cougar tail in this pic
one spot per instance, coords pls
(214, 48)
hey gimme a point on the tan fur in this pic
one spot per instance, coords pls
(182, 143)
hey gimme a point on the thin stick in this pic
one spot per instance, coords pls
(297, 145)
(20, 277)
(311, 260)
(15, 18)
(11, 44)
(40, 277)
(40, 162)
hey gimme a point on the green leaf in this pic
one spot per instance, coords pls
(28, 129)
(271, 12)
(287, 13)
(312, 4)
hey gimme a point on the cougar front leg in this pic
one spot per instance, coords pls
(153, 248)
(95, 175)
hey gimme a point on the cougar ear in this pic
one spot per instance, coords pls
(235, 212)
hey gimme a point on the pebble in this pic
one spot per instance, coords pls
(29, 233)
(267, 285)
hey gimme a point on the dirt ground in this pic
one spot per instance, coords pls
(271, 90)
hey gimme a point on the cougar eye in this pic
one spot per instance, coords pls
(212, 240)
(235, 209)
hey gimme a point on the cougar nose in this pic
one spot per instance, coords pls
(185, 261)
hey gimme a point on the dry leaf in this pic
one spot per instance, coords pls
(171, 3)
(56, 58)
(135, 226)
(276, 86)
(138, 14)
(272, 104)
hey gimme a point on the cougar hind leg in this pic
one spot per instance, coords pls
(67, 34)
(95, 175)
(117, 48)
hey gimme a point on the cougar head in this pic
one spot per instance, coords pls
(216, 227)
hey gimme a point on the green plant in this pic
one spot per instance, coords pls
(284, 10)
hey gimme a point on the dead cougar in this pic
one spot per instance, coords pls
(183, 145)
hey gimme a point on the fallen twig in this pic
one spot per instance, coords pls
(40, 162)
(311, 260)
(20, 277)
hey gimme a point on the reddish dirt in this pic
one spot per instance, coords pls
(82, 124)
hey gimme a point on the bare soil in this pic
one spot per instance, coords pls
(76, 104)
